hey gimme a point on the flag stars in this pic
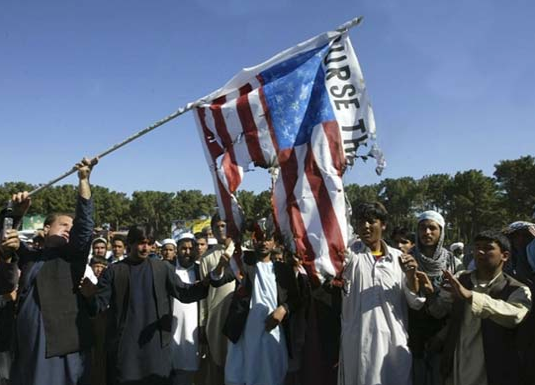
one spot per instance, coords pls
(302, 74)
(305, 92)
(290, 88)
(296, 98)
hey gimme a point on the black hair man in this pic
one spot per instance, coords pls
(258, 320)
(433, 259)
(185, 345)
(118, 248)
(487, 307)
(53, 330)
(214, 308)
(403, 239)
(138, 292)
(379, 283)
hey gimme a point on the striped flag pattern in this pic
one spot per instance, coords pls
(304, 114)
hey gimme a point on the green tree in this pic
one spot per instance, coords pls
(246, 200)
(191, 204)
(155, 208)
(475, 205)
(435, 190)
(55, 199)
(357, 194)
(262, 204)
(111, 207)
(516, 182)
(402, 198)
(255, 206)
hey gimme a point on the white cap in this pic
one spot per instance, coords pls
(456, 245)
(186, 235)
(518, 225)
(432, 216)
(168, 241)
(99, 240)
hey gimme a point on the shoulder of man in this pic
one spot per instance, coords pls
(464, 274)
(283, 266)
(511, 281)
(160, 264)
(117, 267)
(393, 251)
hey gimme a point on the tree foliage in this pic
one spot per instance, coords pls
(401, 198)
(470, 201)
(516, 184)
(474, 204)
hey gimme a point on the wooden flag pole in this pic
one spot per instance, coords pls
(341, 29)
(115, 147)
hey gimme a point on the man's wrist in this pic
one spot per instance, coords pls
(469, 296)
(5, 258)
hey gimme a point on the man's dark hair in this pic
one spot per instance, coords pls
(494, 236)
(200, 235)
(370, 211)
(51, 218)
(98, 260)
(215, 218)
(119, 237)
(404, 233)
(138, 233)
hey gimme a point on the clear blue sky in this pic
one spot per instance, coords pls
(452, 82)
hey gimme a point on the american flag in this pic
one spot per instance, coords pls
(303, 114)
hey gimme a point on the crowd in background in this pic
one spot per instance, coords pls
(80, 306)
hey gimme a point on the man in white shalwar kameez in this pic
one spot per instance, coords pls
(376, 293)
(185, 345)
(257, 320)
(259, 357)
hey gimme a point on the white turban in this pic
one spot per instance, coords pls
(520, 225)
(433, 216)
(185, 236)
(168, 241)
(456, 245)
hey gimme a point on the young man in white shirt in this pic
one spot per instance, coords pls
(379, 283)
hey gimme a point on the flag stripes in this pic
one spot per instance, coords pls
(285, 115)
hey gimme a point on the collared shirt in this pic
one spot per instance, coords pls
(374, 336)
(112, 259)
(469, 359)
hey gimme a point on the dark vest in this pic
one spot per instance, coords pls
(239, 307)
(121, 290)
(65, 316)
(499, 343)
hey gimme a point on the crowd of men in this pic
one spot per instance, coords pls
(201, 309)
